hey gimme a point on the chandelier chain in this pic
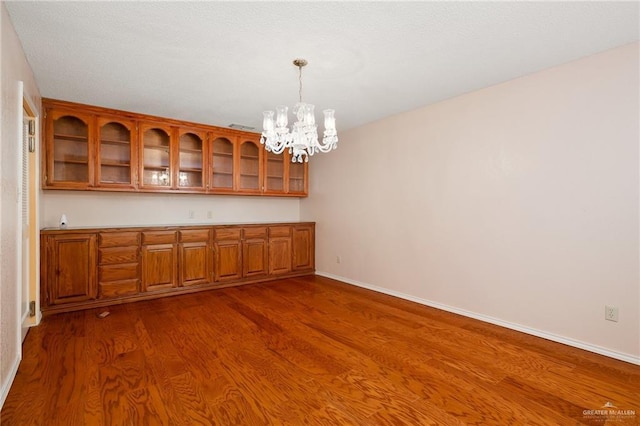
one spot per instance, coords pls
(300, 80)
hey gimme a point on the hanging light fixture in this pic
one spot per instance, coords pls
(302, 141)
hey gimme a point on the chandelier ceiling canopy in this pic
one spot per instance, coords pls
(302, 140)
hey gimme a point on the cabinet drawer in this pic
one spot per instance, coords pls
(279, 231)
(195, 235)
(117, 272)
(159, 237)
(119, 239)
(112, 255)
(118, 288)
(228, 234)
(258, 232)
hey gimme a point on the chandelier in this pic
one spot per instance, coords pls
(302, 141)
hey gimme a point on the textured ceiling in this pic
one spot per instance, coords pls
(225, 62)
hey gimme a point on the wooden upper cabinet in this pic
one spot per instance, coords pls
(222, 163)
(116, 154)
(281, 176)
(69, 151)
(93, 148)
(156, 158)
(249, 166)
(191, 156)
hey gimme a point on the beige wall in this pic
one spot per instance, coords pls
(121, 209)
(14, 68)
(516, 204)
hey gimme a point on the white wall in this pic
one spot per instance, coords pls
(517, 204)
(14, 69)
(84, 208)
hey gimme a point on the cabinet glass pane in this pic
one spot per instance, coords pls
(190, 161)
(296, 177)
(249, 166)
(275, 172)
(115, 153)
(70, 150)
(222, 163)
(156, 158)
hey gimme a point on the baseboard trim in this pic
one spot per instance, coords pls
(485, 318)
(6, 384)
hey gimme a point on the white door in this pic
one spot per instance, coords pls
(27, 136)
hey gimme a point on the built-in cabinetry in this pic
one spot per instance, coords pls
(98, 267)
(93, 148)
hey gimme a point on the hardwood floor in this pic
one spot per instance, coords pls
(305, 351)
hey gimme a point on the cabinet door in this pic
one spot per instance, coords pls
(195, 263)
(228, 260)
(222, 164)
(297, 177)
(69, 149)
(116, 156)
(274, 173)
(255, 257)
(156, 159)
(159, 266)
(303, 248)
(279, 255)
(191, 160)
(71, 275)
(249, 166)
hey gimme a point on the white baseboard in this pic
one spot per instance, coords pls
(8, 381)
(532, 331)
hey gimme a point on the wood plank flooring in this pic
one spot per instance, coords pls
(305, 351)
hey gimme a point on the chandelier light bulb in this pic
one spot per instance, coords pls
(302, 139)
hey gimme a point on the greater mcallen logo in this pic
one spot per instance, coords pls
(609, 412)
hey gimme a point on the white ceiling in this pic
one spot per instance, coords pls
(225, 62)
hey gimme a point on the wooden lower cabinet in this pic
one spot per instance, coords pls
(255, 252)
(303, 241)
(196, 257)
(88, 268)
(69, 265)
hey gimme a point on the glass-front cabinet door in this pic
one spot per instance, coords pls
(115, 153)
(297, 178)
(156, 159)
(191, 156)
(249, 166)
(222, 164)
(69, 151)
(274, 173)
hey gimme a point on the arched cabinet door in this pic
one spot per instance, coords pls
(297, 178)
(156, 172)
(69, 151)
(222, 163)
(249, 164)
(116, 156)
(190, 171)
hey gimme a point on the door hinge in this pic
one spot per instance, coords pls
(32, 308)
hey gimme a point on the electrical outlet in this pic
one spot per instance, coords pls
(192, 214)
(209, 214)
(338, 259)
(611, 313)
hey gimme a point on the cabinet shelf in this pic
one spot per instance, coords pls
(190, 170)
(223, 154)
(223, 173)
(191, 151)
(114, 164)
(156, 168)
(83, 161)
(114, 142)
(157, 148)
(67, 137)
